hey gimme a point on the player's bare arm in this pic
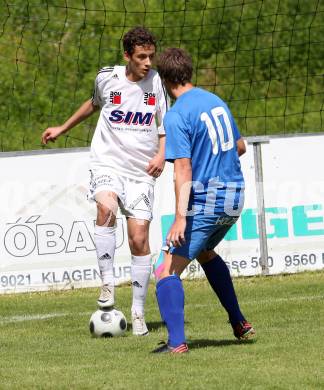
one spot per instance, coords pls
(156, 165)
(241, 148)
(85, 110)
(182, 183)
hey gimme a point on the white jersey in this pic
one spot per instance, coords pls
(126, 136)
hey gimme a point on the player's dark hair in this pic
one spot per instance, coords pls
(137, 36)
(175, 65)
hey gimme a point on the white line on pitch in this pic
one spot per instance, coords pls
(272, 300)
(38, 317)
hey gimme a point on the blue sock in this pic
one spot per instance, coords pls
(170, 297)
(220, 280)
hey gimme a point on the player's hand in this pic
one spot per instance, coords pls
(176, 235)
(156, 165)
(51, 134)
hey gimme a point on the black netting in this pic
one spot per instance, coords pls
(263, 57)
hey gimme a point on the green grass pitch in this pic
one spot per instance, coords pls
(45, 341)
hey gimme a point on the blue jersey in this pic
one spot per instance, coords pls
(200, 126)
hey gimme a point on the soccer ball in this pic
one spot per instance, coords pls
(107, 323)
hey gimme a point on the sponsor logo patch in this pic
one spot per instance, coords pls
(115, 97)
(149, 98)
(134, 118)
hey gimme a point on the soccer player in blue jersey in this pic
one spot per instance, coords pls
(204, 144)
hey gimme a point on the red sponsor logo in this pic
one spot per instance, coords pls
(149, 98)
(115, 97)
(151, 101)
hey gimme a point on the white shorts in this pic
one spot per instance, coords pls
(135, 198)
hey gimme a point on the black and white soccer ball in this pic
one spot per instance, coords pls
(107, 323)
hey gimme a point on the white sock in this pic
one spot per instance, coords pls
(140, 274)
(105, 242)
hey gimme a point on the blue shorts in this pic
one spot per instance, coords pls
(203, 233)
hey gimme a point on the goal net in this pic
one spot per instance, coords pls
(263, 57)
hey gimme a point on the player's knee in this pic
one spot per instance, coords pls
(106, 202)
(206, 256)
(138, 245)
(105, 216)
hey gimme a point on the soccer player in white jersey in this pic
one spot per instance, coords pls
(127, 155)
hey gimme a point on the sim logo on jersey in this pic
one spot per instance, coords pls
(115, 97)
(134, 118)
(149, 98)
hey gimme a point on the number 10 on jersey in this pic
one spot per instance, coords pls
(217, 113)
